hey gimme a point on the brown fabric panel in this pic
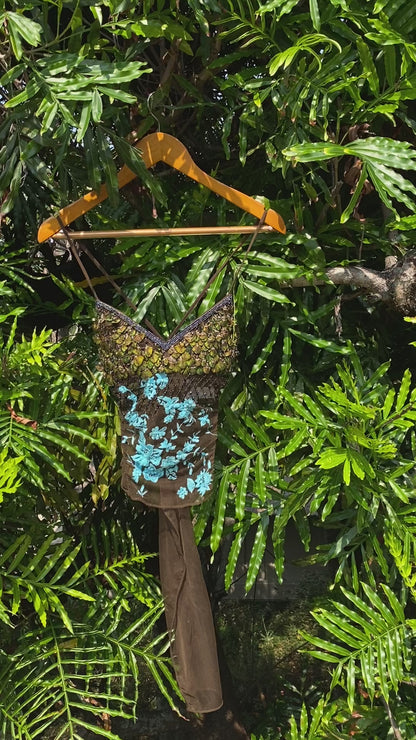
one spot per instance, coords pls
(188, 613)
(204, 392)
(164, 492)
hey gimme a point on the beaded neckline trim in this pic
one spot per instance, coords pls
(165, 344)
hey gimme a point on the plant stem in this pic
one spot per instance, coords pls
(394, 726)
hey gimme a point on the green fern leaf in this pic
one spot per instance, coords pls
(241, 489)
(376, 635)
(257, 552)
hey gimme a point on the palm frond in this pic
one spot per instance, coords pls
(81, 681)
(369, 639)
(99, 609)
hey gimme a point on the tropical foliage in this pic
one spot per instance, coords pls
(310, 106)
(78, 607)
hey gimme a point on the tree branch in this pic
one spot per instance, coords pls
(361, 277)
(395, 286)
(394, 726)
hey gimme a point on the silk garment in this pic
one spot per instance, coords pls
(167, 392)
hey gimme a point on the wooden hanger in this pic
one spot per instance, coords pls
(159, 147)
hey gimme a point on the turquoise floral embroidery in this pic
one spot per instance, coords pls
(136, 421)
(168, 447)
(170, 405)
(162, 380)
(188, 447)
(203, 482)
(185, 410)
(157, 433)
(156, 455)
(146, 454)
(150, 473)
(150, 386)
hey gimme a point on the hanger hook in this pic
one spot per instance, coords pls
(149, 108)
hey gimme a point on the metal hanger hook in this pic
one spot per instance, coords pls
(149, 108)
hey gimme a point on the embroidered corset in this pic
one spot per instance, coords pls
(167, 392)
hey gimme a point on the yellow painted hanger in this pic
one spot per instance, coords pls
(159, 147)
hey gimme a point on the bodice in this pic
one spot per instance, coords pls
(167, 392)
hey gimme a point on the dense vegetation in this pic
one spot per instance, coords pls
(309, 105)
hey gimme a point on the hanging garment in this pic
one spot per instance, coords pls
(167, 392)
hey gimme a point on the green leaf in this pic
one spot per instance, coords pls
(96, 106)
(332, 653)
(116, 94)
(351, 683)
(9, 473)
(29, 30)
(14, 37)
(84, 120)
(265, 350)
(154, 27)
(235, 549)
(132, 158)
(379, 150)
(307, 42)
(108, 166)
(220, 506)
(299, 439)
(326, 344)
(357, 192)
(31, 89)
(390, 183)
(315, 15)
(241, 432)
(266, 292)
(260, 484)
(368, 65)
(388, 403)
(403, 391)
(241, 489)
(313, 152)
(17, 549)
(49, 117)
(331, 458)
(375, 152)
(257, 552)
(12, 74)
(16, 597)
(242, 141)
(394, 603)
(346, 471)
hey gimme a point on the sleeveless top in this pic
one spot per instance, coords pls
(167, 392)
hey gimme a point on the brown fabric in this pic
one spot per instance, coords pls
(167, 392)
(168, 440)
(188, 613)
(192, 399)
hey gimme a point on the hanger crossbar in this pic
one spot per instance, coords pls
(174, 231)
